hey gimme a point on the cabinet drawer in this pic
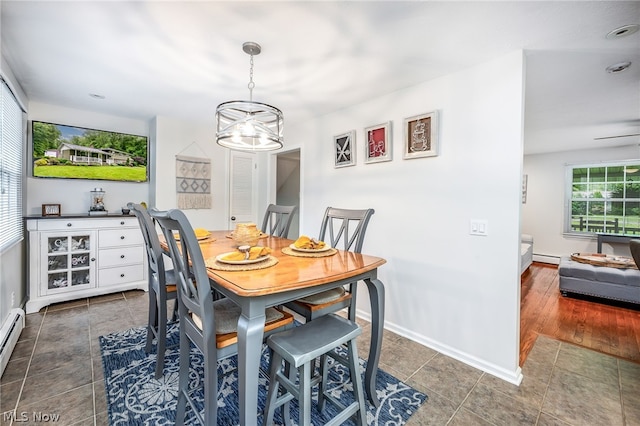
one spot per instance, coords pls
(119, 237)
(64, 224)
(120, 275)
(124, 222)
(94, 223)
(120, 256)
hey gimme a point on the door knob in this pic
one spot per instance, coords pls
(233, 218)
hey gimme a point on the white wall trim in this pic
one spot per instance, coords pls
(513, 377)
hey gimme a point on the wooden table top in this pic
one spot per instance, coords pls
(290, 273)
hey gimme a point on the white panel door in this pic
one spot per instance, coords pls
(243, 197)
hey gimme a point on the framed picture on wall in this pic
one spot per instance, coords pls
(421, 136)
(378, 146)
(344, 146)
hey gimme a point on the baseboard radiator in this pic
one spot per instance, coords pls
(9, 334)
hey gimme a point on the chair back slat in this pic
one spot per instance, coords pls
(277, 220)
(346, 225)
(194, 292)
(152, 245)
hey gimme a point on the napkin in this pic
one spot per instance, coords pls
(201, 232)
(305, 242)
(257, 251)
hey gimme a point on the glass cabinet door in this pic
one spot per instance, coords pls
(70, 261)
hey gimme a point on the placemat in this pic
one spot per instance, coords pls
(291, 252)
(212, 263)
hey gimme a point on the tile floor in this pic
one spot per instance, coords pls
(56, 369)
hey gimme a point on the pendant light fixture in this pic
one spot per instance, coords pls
(249, 125)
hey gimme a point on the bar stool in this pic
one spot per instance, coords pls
(299, 347)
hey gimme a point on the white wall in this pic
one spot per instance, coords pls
(543, 213)
(449, 290)
(74, 194)
(173, 137)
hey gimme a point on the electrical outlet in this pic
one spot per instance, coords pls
(13, 299)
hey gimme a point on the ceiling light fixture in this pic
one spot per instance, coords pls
(619, 67)
(623, 31)
(249, 125)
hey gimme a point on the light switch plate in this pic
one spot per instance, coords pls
(479, 227)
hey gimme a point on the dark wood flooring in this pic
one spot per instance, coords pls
(605, 326)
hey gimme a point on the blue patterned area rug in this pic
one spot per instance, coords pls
(135, 397)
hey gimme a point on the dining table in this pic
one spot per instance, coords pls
(288, 276)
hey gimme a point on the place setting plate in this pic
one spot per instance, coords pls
(292, 250)
(310, 250)
(221, 258)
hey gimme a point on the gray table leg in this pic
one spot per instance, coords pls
(250, 334)
(376, 298)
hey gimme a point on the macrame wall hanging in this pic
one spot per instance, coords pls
(193, 182)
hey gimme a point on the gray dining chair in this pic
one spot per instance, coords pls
(277, 220)
(209, 325)
(162, 287)
(343, 229)
(298, 348)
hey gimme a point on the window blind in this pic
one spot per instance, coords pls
(11, 169)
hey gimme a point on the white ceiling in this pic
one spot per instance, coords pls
(181, 59)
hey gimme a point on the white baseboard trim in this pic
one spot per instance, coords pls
(554, 260)
(513, 377)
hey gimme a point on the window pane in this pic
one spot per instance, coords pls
(597, 190)
(632, 218)
(632, 190)
(580, 190)
(597, 174)
(615, 190)
(579, 175)
(633, 172)
(615, 174)
(596, 208)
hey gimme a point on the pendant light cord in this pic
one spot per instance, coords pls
(251, 84)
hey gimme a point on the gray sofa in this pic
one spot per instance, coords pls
(600, 281)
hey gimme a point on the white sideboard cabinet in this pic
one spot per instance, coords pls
(73, 257)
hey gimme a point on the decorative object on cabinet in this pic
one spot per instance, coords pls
(421, 136)
(51, 210)
(76, 257)
(344, 146)
(97, 202)
(378, 147)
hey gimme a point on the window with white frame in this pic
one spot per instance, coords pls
(604, 198)
(11, 167)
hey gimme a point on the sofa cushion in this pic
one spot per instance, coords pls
(571, 268)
